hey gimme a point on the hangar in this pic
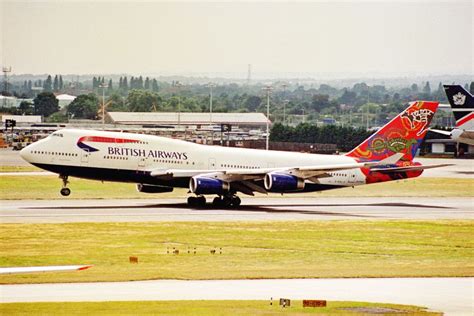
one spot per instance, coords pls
(240, 120)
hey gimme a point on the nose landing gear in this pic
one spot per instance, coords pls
(65, 191)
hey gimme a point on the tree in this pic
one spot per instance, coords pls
(427, 88)
(147, 83)
(48, 84)
(125, 84)
(154, 86)
(56, 83)
(61, 84)
(252, 103)
(45, 104)
(414, 87)
(109, 86)
(142, 100)
(25, 108)
(84, 106)
(95, 83)
(471, 88)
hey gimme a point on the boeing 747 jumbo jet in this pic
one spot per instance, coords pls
(158, 164)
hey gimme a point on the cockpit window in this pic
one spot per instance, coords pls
(57, 134)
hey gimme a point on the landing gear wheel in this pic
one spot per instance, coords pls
(197, 201)
(192, 201)
(235, 200)
(217, 201)
(201, 201)
(65, 191)
(226, 201)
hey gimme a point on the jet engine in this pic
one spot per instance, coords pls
(147, 188)
(281, 182)
(202, 185)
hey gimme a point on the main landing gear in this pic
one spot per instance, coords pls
(65, 191)
(219, 201)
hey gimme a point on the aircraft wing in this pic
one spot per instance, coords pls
(304, 172)
(19, 270)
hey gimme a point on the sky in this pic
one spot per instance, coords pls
(333, 38)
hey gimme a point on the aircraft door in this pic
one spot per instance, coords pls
(85, 157)
(212, 163)
(141, 163)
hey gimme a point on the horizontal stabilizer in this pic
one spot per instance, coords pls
(409, 168)
(447, 133)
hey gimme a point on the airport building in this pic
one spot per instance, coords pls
(245, 121)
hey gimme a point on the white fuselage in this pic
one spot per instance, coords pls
(141, 154)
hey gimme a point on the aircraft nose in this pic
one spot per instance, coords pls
(25, 153)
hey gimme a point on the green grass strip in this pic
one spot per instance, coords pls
(250, 250)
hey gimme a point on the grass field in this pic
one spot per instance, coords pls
(250, 250)
(47, 187)
(203, 308)
(18, 168)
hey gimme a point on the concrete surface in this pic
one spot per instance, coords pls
(453, 296)
(260, 209)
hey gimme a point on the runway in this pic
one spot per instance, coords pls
(450, 295)
(252, 209)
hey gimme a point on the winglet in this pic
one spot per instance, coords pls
(84, 267)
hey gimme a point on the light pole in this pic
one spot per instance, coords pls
(103, 86)
(285, 102)
(268, 89)
(211, 85)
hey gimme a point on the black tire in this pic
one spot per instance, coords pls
(226, 201)
(65, 191)
(192, 201)
(217, 201)
(236, 201)
(201, 201)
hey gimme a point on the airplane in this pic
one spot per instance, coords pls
(158, 164)
(21, 270)
(462, 104)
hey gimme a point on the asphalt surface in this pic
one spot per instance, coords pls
(450, 295)
(252, 209)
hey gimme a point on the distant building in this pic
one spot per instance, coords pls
(198, 119)
(64, 100)
(12, 102)
(23, 119)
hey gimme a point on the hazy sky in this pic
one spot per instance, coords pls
(138, 37)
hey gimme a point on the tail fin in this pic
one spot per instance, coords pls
(462, 104)
(403, 134)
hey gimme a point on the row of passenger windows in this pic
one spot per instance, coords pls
(116, 157)
(341, 174)
(239, 167)
(55, 153)
(177, 162)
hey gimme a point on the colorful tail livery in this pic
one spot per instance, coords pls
(462, 104)
(100, 139)
(403, 134)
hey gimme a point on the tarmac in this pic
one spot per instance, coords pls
(453, 296)
(252, 209)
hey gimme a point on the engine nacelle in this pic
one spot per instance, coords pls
(147, 188)
(202, 185)
(281, 182)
